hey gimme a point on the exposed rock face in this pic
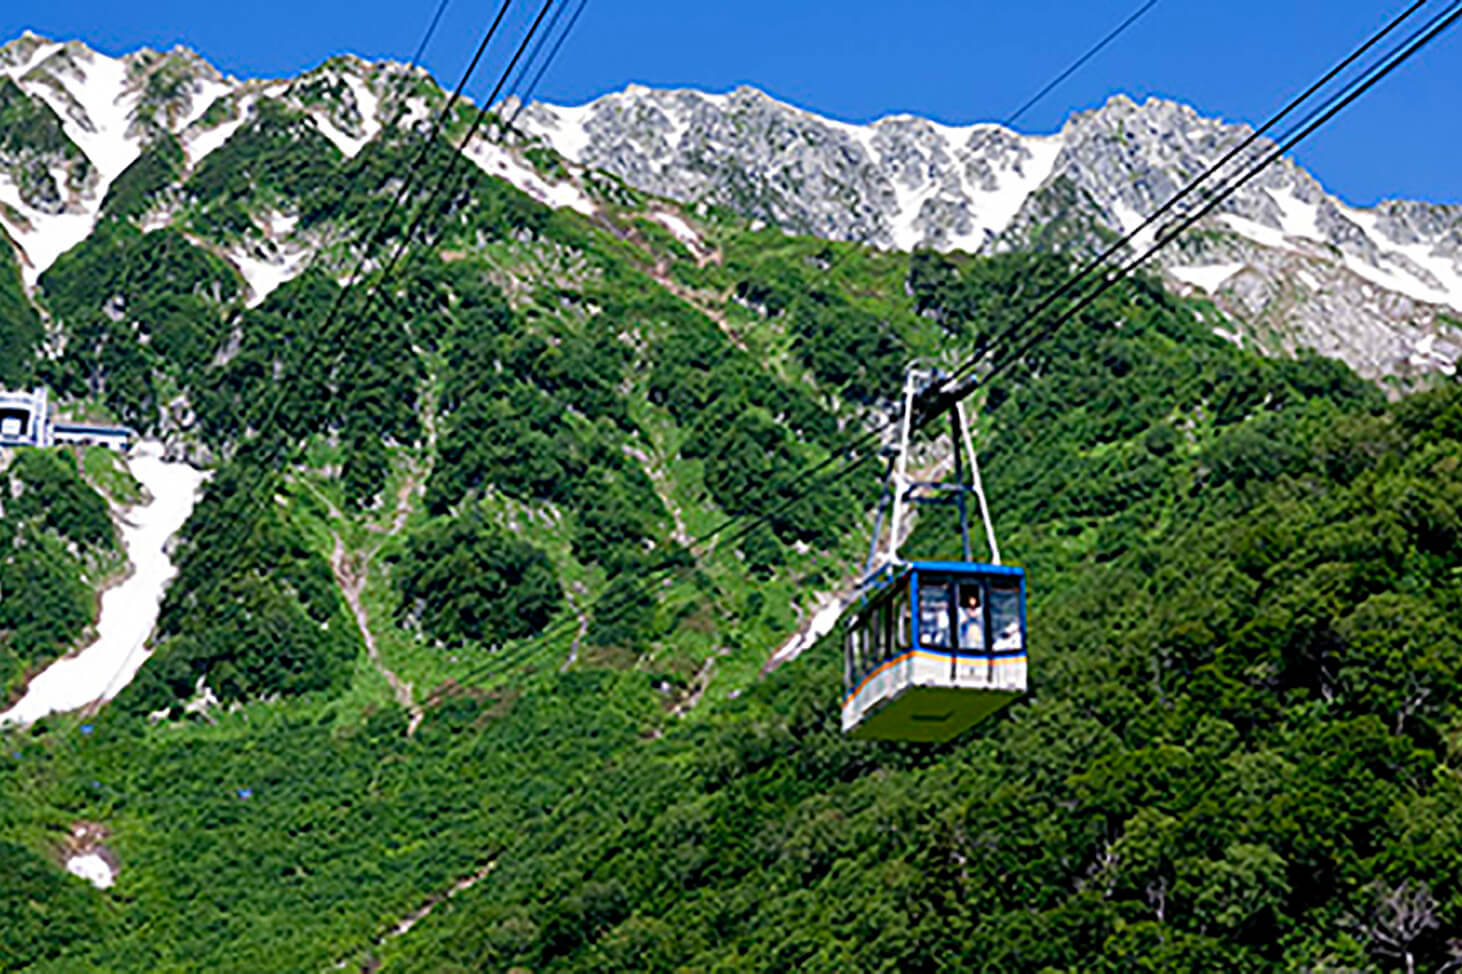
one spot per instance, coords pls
(1295, 267)
(74, 123)
(901, 182)
(1388, 280)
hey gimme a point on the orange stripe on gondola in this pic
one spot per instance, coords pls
(908, 654)
(928, 654)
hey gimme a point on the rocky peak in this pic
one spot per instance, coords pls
(899, 182)
(22, 50)
(908, 182)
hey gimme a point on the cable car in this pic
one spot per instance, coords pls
(937, 649)
(934, 647)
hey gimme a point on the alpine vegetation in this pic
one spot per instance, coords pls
(515, 618)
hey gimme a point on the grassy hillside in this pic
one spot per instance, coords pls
(451, 731)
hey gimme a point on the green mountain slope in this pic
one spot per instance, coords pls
(1237, 753)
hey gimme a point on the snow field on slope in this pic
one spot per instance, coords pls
(1012, 189)
(108, 149)
(101, 93)
(1422, 254)
(50, 236)
(129, 610)
(210, 92)
(1209, 277)
(496, 161)
(265, 275)
(201, 142)
(824, 619)
(991, 210)
(347, 144)
(36, 57)
(366, 103)
(91, 867)
(565, 128)
(681, 230)
(1300, 221)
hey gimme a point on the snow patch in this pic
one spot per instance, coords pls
(677, 226)
(367, 104)
(991, 210)
(50, 234)
(36, 57)
(823, 621)
(1206, 276)
(1229, 336)
(1300, 219)
(93, 868)
(1443, 268)
(863, 135)
(417, 115)
(906, 235)
(264, 275)
(203, 700)
(494, 160)
(129, 610)
(1257, 232)
(1299, 225)
(566, 128)
(98, 84)
(1130, 220)
(1400, 281)
(204, 141)
(87, 91)
(281, 224)
(1434, 353)
(209, 92)
(1013, 188)
(348, 144)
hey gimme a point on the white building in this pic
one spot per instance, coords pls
(25, 420)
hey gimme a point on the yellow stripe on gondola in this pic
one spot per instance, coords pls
(934, 655)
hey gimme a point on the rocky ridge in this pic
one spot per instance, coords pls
(1296, 267)
(1288, 263)
(73, 121)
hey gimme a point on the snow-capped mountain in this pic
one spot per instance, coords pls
(76, 120)
(1378, 287)
(75, 125)
(900, 182)
(89, 117)
(1290, 264)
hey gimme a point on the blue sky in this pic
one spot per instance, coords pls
(858, 60)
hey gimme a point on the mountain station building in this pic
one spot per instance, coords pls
(25, 420)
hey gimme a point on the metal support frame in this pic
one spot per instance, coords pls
(977, 486)
(914, 380)
(900, 491)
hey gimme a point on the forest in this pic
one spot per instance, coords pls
(1246, 653)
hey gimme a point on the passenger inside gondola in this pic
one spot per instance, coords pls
(971, 619)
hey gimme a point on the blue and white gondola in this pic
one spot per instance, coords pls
(938, 647)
